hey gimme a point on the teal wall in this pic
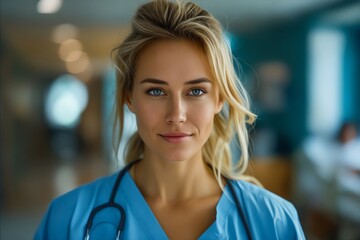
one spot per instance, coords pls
(285, 43)
(351, 90)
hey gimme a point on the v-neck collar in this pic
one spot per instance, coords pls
(150, 224)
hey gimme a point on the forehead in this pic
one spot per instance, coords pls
(171, 59)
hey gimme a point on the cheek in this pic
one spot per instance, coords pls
(147, 116)
(203, 117)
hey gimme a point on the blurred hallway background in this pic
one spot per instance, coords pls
(299, 60)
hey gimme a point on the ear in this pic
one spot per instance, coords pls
(219, 106)
(129, 102)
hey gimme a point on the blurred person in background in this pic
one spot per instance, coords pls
(175, 73)
(327, 184)
(348, 181)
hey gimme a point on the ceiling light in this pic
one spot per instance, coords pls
(74, 56)
(63, 32)
(78, 66)
(49, 6)
(69, 46)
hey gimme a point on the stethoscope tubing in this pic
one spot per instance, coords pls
(111, 203)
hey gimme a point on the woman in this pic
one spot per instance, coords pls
(175, 74)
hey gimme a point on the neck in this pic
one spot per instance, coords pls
(173, 182)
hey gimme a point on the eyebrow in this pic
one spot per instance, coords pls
(157, 81)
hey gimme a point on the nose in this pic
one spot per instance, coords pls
(176, 112)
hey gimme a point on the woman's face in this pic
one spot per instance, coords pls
(174, 99)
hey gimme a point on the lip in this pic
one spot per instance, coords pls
(176, 137)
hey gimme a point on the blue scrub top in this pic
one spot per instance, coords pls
(268, 215)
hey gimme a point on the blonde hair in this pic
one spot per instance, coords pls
(163, 19)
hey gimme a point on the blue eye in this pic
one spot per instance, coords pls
(155, 92)
(197, 92)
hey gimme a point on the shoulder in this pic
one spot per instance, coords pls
(66, 211)
(87, 194)
(271, 214)
(259, 196)
(99, 185)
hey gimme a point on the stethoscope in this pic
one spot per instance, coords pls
(111, 204)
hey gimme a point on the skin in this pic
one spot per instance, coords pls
(175, 100)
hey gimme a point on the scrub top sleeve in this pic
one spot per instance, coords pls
(52, 225)
(288, 226)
